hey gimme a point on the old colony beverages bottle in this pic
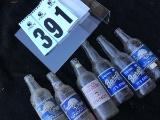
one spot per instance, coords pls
(129, 69)
(70, 102)
(43, 102)
(97, 97)
(110, 78)
(141, 53)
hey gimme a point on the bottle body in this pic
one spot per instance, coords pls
(46, 106)
(99, 100)
(128, 68)
(113, 82)
(141, 54)
(97, 97)
(72, 105)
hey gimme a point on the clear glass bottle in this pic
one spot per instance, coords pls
(43, 102)
(129, 69)
(97, 97)
(141, 53)
(109, 77)
(70, 102)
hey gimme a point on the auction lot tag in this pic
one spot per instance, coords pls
(49, 23)
(38, 35)
(63, 17)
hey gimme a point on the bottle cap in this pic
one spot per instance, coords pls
(118, 30)
(28, 77)
(100, 37)
(75, 62)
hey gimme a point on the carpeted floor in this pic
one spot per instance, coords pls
(139, 18)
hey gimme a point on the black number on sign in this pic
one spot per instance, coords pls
(43, 37)
(60, 12)
(52, 26)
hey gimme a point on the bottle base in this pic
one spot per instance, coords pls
(106, 110)
(122, 96)
(146, 88)
(156, 79)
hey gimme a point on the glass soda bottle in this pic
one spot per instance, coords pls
(128, 68)
(43, 102)
(97, 97)
(70, 102)
(141, 53)
(109, 77)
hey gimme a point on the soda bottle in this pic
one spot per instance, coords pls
(141, 53)
(97, 97)
(109, 77)
(70, 102)
(129, 69)
(43, 102)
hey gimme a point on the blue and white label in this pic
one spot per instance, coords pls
(73, 107)
(144, 56)
(134, 75)
(49, 110)
(112, 81)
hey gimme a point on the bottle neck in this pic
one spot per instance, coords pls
(91, 52)
(122, 35)
(108, 48)
(32, 84)
(78, 68)
(54, 80)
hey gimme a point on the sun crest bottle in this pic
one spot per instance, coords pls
(139, 81)
(70, 102)
(109, 77)
(141, 53)
(97, 97)
(43, 102)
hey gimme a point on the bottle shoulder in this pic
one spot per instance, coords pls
(63, 93)
(64, 88)
(39, 96)
(85, 79)
(86, 74)
(40, 92)
(101, 66)
(121, 56)
(132, 45)
(122, 60)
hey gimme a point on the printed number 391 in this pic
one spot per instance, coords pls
(52, 26)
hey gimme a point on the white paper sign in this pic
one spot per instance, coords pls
(65, 18)
(48, 23)
(38, 35)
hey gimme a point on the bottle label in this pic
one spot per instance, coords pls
(73, 107)
(49, 110)
(112, 81)
(95, 93)
(134, 75)
(144, 56)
